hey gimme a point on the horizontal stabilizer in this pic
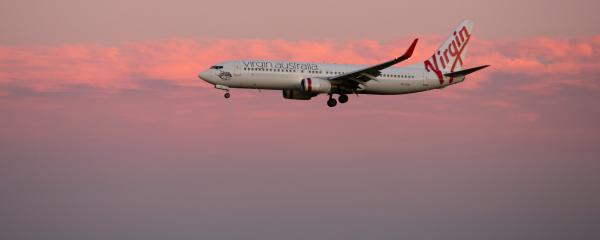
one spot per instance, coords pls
(465, 72)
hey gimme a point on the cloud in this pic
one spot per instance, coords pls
(548, 63)
(147, 94)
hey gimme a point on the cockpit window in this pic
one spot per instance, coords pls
(216, 67)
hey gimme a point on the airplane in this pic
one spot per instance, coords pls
(305, 80)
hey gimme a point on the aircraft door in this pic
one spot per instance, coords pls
(426, 79)
(237, 69)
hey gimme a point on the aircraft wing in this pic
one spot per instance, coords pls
(352, 80)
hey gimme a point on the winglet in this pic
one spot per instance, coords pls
(410, 50)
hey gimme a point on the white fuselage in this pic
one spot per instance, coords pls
(281, 75)
(304, 80)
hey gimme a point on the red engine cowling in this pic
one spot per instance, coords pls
(315, 85)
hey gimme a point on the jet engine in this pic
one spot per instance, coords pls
(315, 85)
(298, 95)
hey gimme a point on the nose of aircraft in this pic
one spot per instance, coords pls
(203, 75)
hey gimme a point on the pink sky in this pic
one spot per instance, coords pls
(106, 132)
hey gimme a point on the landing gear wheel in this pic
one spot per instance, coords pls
(331, 102)
(343, 98)
(227, 95)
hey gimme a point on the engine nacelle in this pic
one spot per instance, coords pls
(297, 95)
(315, 85)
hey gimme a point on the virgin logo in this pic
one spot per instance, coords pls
(450, 56)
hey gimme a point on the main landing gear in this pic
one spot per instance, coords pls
(227, 94)
(332, 102)
(343, 98)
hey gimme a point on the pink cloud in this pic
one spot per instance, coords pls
(483, 105)
(550, 62)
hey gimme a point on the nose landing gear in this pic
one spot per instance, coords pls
(225, 88)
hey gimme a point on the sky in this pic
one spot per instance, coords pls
(106, 132)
